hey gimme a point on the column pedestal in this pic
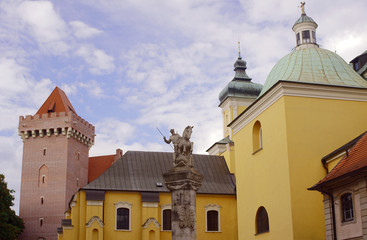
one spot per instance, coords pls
(183, 182)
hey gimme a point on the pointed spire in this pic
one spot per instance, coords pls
(56, 102)
(239, 50)
(240, 67)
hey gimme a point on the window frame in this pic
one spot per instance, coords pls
(344, 210)
(257, 137)
(168, 208)
(127, 206)
(306, 39)
(258, 227)
(209, 208)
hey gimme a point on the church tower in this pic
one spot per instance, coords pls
(235, 97)
(56, 143)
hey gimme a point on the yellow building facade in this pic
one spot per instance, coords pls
(93, 212)
(311, 103)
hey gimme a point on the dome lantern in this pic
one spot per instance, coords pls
(305, 30)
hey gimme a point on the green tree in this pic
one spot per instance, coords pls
(10, 224)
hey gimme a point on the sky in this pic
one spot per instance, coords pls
(132, 66)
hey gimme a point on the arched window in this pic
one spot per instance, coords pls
(257, 137)
(43, 175)
(151, 235)
(42, 198)
(95, 234)
(212, 215)
(41, 222)
(166, 216)
(347, 207)
(123, 216)
(262, 221)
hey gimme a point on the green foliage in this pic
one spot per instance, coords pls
(10, 224)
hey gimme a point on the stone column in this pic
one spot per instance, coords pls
(183, 182)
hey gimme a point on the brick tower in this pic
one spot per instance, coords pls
(56, 144)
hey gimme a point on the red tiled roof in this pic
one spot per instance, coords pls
(356, 159)
(98, 165)
(56, 102)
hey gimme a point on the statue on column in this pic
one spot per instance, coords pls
(183, 147)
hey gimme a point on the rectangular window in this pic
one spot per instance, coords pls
(298, 39)
(167, 219)
(212, 220)
(122, 219)
(306, 37)
(44, 152)
(314, 36)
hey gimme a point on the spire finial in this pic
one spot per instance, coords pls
(239, 49)
(303, 8)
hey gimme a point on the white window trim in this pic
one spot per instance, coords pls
(165, 207)
(123, 205)
(212, 207)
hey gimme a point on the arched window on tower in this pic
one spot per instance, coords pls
(262, 221)
(257, 140)
(43, 176)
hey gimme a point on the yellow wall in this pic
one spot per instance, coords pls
(263, 179)
(81, 213)
(316, 127)
(297, 132)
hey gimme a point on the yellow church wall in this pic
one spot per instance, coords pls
(83, 211)
(262, 178)
(316, 127)
(228, 216)
(134, 198)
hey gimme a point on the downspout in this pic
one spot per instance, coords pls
(332, 211)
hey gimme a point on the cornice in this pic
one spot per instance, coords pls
(297, 89)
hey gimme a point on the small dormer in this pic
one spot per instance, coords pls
(305, 30)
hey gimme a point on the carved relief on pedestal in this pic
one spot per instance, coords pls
(186, 217)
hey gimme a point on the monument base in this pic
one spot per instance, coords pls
(183, 182)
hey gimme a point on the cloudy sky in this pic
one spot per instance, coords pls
(129, 66)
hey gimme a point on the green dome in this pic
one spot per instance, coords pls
(314, 65)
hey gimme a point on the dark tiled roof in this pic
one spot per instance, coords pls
(355, 160)
(141, 171)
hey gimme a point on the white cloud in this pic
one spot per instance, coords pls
(110, 135)
(83, 30)
(98, 61)
(46, 26)
(69, 89)
(94, 89)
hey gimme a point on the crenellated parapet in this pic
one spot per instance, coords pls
(66, 124)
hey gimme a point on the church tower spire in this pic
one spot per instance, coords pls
(305, 30)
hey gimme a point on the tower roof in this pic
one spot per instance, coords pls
(56, 102)
(241, 85)
(304, 18)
